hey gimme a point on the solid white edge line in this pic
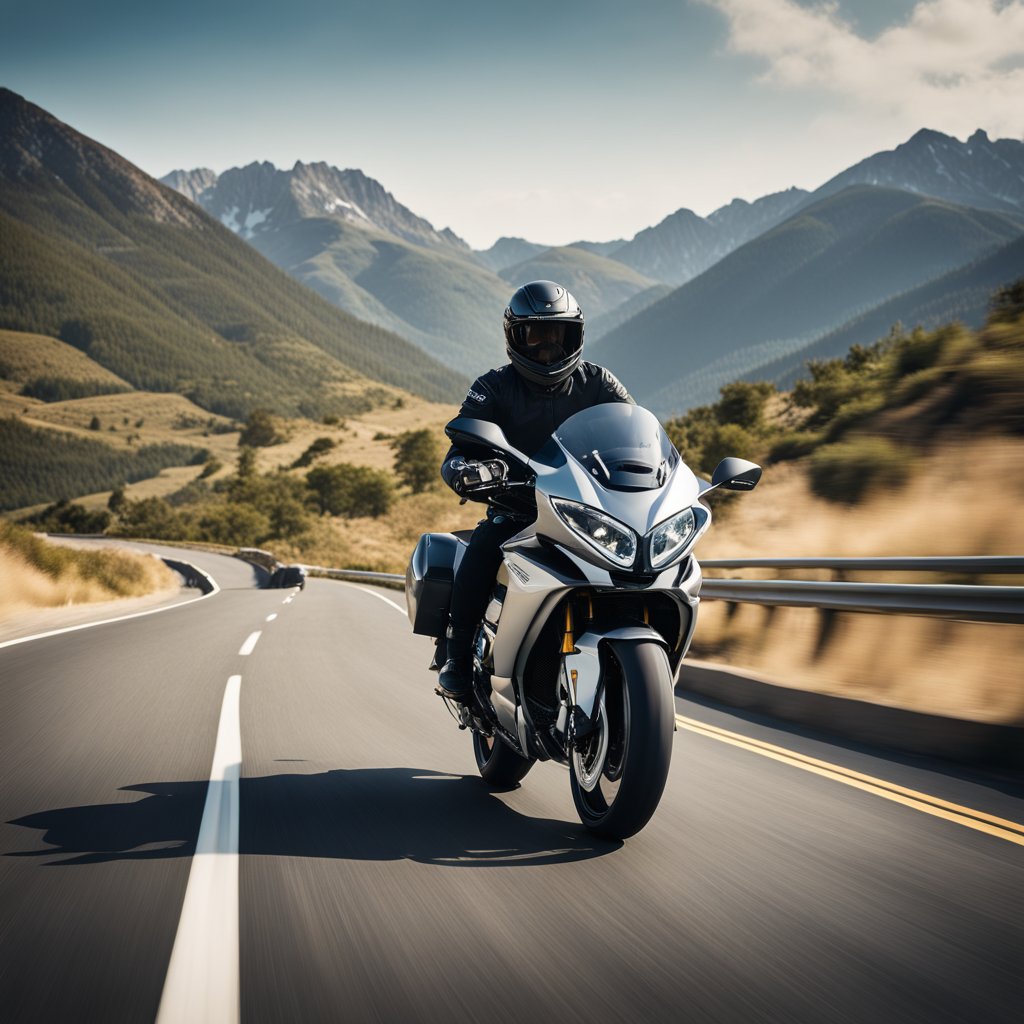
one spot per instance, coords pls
(250, 642)
(366, 590)
(202, 976)
(106, 622)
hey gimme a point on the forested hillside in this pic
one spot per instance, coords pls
(95, 253)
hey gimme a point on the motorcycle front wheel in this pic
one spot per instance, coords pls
(619, 772)
(500, 766)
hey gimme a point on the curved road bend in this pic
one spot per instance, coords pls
(378, 880)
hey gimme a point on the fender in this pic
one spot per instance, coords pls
(582, 668)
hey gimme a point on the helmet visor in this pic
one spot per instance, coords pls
(547, 341)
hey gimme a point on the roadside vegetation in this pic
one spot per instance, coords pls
(39, 574)
(863, 420)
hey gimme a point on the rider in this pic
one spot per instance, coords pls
(544, 383)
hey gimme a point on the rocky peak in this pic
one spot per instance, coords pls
(259, 198)
(979, 172)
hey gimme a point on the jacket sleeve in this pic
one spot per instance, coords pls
(480, 403)
(612, 389)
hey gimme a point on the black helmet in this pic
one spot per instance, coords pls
(544, 332)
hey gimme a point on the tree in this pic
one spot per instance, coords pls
(241, 525)
(246, 468)
(416, 459)
(117, 499)
(350, 491)
(260, 430)
(95, 424)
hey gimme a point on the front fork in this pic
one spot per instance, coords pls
(582, 678)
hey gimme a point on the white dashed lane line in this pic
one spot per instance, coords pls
(202, 977)
(270, 618)
(250, 643)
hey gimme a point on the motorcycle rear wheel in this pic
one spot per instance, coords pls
(499, 765)
(618, 775)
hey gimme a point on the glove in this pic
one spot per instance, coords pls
(475, 477)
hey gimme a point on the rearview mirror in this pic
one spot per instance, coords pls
(734, 474)
(465, 432)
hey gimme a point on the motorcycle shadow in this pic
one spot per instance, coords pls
(349, 814)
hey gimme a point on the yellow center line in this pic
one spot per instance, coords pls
(1001, 828)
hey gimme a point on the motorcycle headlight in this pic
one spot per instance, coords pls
(608, 536)
(668, 539)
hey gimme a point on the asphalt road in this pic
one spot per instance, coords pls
(379, 880)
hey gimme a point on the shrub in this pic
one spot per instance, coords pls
(260, 430)
(350, 491)
(69, 517)
(151, 517)
(846, 471)
(233, 523)
(319, 447)
(743, 403)
(417, 457)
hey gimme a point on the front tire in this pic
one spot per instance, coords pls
(500, 766)
(618, 775)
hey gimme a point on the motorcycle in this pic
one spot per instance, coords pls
(593, 609)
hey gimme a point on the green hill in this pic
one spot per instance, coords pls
(447, 305)
(598, 283)
(772, 297)
(963, 295)
(97, 254)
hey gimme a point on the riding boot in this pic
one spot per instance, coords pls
(456, 678)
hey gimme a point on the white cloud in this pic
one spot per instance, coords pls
(954, 65)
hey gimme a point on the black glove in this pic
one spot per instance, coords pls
(475, 477)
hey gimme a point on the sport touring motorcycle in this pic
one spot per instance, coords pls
(593, 609)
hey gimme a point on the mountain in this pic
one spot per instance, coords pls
(598, 283)
(259, 198)
(343, 235)
(963, 294)
(780, 292)
(684, 245)
(97, 254)
(979, 172)
(507, 251)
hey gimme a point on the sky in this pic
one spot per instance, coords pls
(555, 121)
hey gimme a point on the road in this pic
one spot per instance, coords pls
(378, 880)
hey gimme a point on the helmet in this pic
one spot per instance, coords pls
(544, 332)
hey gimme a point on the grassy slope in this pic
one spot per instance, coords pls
(26, 357)
(448, 306)
(40, 574)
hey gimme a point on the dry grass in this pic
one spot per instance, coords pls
(962, 500)
(26, 356)
(39, 574)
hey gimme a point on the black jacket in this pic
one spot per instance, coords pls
(529, 414)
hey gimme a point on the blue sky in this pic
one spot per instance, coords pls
(555, 120)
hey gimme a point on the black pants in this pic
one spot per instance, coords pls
(474, 581)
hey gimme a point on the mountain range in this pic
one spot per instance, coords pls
(754, 286)
(165, 284)
(96, 254)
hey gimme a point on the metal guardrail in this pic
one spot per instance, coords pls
(385, 579)
(949, 600)
(985, 565)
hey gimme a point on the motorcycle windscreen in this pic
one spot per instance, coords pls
(623, 446)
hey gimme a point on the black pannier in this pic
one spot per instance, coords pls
(428, 582)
